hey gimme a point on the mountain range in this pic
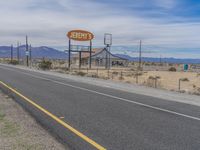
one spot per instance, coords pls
(163, 60)
(36, 52)
(47, 52)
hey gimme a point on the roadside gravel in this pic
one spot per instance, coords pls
(19, 131)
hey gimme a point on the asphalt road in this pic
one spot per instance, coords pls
(114, 119)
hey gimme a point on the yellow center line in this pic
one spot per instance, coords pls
(81, 135)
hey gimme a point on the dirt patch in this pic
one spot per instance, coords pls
(19, 131)
(159, 79)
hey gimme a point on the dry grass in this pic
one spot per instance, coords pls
(167, 79)
(164, 79)
(19, 131)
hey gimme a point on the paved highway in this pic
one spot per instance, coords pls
(110, 119)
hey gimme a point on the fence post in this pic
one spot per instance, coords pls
(155, 82)
(112, 76)
(108, 74)
(137, 78)
(97, 72)
(179, 85)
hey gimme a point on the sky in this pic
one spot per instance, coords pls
(170, 28)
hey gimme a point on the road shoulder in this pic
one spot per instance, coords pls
(19, 131)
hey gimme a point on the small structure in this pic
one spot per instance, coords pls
(100, 57)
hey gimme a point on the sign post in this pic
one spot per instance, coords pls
(27, 52)
(69, 55)
(108, 43)
(90, 54)
(81, 36)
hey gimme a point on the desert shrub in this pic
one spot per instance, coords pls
(140, 68)
(132, 63)
(94, 76)
(115, 73)
(80, 73)
(172, 69)
(45, 65)
(13, 62)
(151, 78)
(184, 79)
(152, 81)
(147, 64)
(121, 78)
(61, 62)
(154, 77)
(138, 74)
(61, 68)
(182, 91)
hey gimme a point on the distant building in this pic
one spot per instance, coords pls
(99, 57)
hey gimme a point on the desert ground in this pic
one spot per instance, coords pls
(19, 131)
(152, 75)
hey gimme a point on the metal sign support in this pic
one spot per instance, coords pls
(11, 55)
(27, 52)
(69, 55)
(80, 61)
(90, 54)
(108, 43)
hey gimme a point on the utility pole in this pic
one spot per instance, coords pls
(18, 59)
(27, 52)
(108, 60)
(108, 43)
(69, 55)
(140, 55)
(30, 51)
(90, 65)
(11, 54)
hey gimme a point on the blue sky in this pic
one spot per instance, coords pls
(167, 27)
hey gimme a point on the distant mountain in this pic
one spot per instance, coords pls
(37, 52)
(47, 52)
(168, 60)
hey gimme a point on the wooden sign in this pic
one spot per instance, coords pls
(80, 35)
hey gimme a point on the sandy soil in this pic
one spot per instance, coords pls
(166, 80)
(19, 131)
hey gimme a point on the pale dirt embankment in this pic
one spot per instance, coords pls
(19, 131)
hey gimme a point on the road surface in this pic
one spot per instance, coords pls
(112, 119)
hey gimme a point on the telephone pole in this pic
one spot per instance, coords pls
(27, 52)
(140, 55)
(30, 51)
(18, 59)
(11, 53)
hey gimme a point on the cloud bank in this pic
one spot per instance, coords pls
(169, 24)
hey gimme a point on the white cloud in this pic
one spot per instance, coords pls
(47, 21)
(167, 4)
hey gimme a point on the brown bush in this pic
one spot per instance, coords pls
(45, 65)
(172, 69)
